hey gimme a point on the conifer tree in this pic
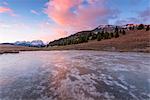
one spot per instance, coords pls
(140, 27)
(112, 35)
(123, 32)
(116, 35)
(147, 28)
(99, 36)
(116, 32)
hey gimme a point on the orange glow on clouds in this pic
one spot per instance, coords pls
(5, 10)
(81, 17)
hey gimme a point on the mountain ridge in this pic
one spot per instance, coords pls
(101, 32)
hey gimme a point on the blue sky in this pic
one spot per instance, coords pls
(51, 19)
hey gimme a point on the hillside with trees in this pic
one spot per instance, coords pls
(103, 34)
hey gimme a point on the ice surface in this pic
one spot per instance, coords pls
(75, 75)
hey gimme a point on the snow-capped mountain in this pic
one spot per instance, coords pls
(106, 26)
(34, 43)
(37, 43)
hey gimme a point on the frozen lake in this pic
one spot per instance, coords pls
(75, 75)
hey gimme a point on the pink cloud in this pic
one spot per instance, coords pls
(5, 10)
(73, 13)
(71, 16)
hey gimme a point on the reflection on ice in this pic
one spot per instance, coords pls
(75, 75)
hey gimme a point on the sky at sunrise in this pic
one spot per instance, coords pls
(51, 19)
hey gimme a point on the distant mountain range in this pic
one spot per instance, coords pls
(34, 43)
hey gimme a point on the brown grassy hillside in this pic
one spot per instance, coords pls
(138, 40)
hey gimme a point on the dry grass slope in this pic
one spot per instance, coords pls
(134, 41)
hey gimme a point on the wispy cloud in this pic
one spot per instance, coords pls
(34, 12)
